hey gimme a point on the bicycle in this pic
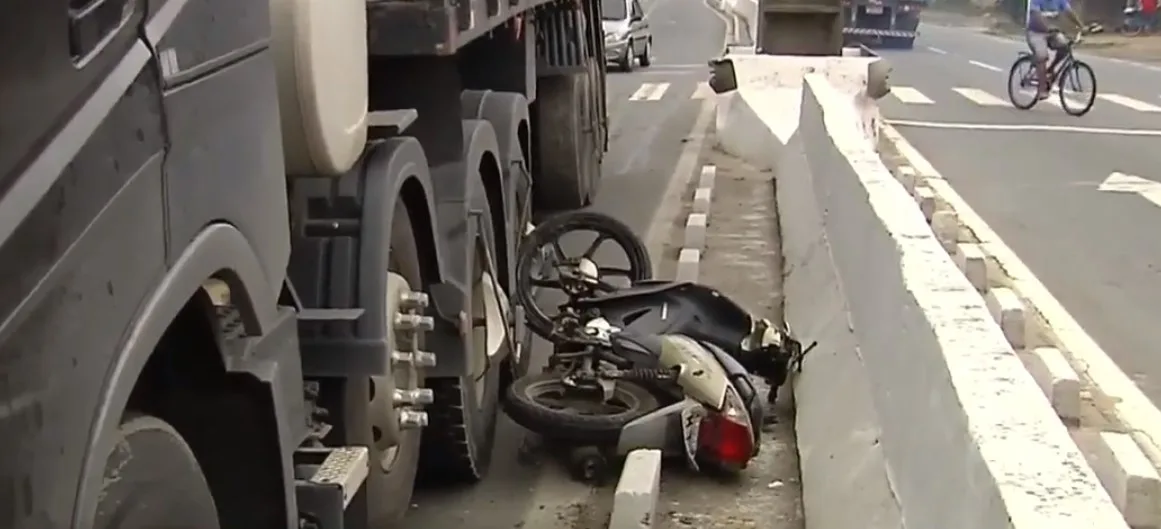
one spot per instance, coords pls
(1066, 69)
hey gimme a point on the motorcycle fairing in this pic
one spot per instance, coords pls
(703, 377)
(667, 307)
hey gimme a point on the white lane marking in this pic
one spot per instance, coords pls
(649, 92)
(1129, 403)
(1118, 182)
(906, 94)
(937, 50)
(1022, 128)
(980, 97)
(985, 66)
(642, 91)
(1139, 106)
(660, 91)
(1055, 100)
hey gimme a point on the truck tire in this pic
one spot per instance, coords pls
(457, 443)
(152, 479)
(391, 478)
(568, 164)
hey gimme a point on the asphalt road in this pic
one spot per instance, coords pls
(1033, 176)
(647, 136)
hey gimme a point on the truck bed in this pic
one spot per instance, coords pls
(437, 27)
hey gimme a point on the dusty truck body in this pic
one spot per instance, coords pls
(255, 252)
(886, 23)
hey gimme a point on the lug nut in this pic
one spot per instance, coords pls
(400, 357)
(409, 419)
(424, 359)
(414, 300)
(414, 397)
(413, 322)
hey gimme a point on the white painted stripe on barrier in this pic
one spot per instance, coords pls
(1130, 403)
(635, 500)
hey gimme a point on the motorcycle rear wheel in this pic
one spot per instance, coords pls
(526, 402)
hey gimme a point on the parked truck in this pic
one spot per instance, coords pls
(255, 253)
(886, 23)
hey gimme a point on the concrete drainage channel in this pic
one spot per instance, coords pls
(728, 239)
(920, 407)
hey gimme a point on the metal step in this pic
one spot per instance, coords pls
(326, 480)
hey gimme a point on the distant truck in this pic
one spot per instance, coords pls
(884, 23)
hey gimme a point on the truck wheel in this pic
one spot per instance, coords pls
(153, 480)
(457, 444)
(568, 164)
(370, 414)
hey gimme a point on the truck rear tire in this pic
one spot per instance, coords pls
(152, 479)
(457, 444)
(388, 490)
(568, 163)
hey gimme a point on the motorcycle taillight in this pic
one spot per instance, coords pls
(727, 438)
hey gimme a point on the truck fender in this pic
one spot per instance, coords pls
(459, 231)
(507, 112)
(221, 250)
(390, 166)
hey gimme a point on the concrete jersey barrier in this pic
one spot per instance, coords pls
(913, 411)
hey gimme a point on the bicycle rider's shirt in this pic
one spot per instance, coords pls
(1050, 8)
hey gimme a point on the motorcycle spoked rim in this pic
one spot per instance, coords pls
(528, 260)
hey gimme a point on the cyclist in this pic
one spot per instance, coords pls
(1044, 36)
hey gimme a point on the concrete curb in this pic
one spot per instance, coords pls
(1120, 464)
(635, 501)
(639, 488)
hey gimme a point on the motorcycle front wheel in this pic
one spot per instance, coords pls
(542, 404)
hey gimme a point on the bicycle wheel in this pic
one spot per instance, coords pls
(1021, 84)
(1072, 82)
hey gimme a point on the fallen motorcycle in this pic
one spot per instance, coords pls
(653, 364)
